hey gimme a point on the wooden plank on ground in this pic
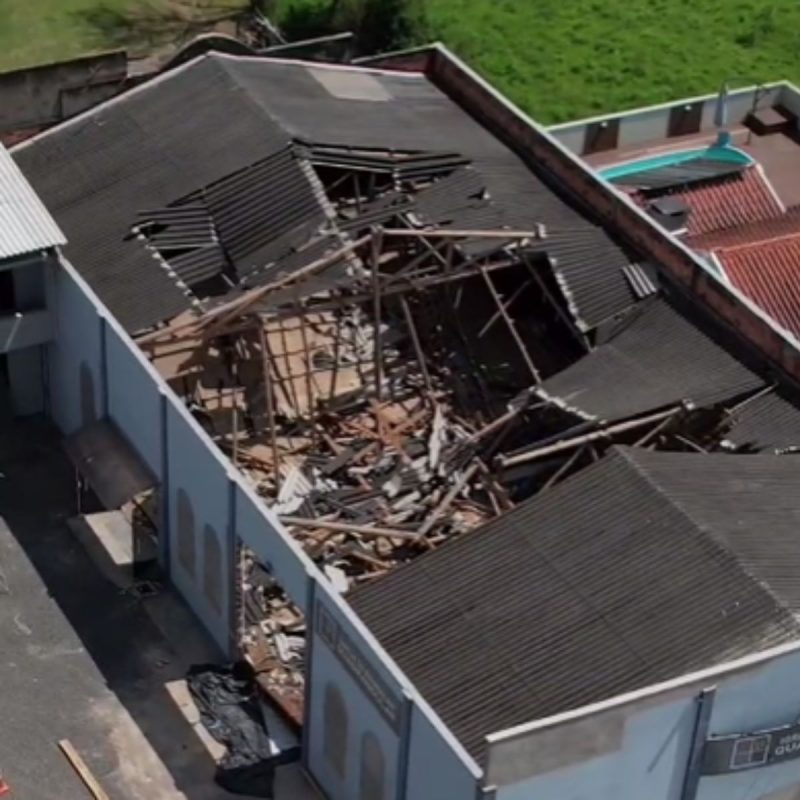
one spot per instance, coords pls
(85, 774)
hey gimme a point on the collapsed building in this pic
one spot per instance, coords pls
(398, 331)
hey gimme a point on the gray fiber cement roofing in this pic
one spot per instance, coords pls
(640, 568)
(217, 115)
(769, 422)
(658, 358)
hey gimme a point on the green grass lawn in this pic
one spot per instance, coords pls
(558, 59)
(42, 31)
(38, 31)
(563, 59)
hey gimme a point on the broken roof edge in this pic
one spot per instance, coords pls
(535, 144)
(696, 679)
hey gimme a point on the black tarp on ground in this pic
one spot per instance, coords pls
(226, 699)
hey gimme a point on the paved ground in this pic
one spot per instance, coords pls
(79, 659)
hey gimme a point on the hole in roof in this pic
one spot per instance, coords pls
(350, 85)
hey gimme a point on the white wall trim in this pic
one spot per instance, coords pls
(666, 106)
(700, 676)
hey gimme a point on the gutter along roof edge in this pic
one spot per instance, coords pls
(699, 677)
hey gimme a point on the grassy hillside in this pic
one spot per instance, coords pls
(38, 31)
(558, 59)
(563, 59)
(42, 31)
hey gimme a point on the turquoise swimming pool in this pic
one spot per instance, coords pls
(729, 155)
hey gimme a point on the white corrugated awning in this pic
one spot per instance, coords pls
(25, 224)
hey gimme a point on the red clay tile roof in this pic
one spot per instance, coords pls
(737, 200)
(757, 231)
(768, 272)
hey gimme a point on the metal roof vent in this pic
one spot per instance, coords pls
(670, 211)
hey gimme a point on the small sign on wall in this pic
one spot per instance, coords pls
(751, 750)
(385, 700)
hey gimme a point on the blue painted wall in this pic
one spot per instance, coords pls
(640, 750)
(74, 353)
(255, 528)
(133, 399)
(363, 715)
(434, 771)
(199, 471)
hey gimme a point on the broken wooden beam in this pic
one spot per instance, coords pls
(568, 444)
(346, 527)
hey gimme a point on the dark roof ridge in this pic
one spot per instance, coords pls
(224, 61)
(627, 453)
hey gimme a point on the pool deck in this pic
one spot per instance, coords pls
(777, 153)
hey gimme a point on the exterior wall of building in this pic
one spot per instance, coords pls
(642, 126)
(257, 527)
(342, 714)
(74, 357)
(639, 745)
(134, 400)
(198, 496)
(434, 770)
(394, 746)
(685, 269)
(42, 95)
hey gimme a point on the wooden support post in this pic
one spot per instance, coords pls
(506, 304)
(412, 330)
(562, 314)
(652, 433)
(309, 366)
(564, 468)
(377, 242)
(511, 327)
(270, 403)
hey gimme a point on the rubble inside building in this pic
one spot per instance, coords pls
(407, 379)
(392, 324)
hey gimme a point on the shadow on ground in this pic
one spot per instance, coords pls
(136, 660)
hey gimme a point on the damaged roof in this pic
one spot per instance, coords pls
(640, 568)
(658, 358)
(768, 422)
(224, 118)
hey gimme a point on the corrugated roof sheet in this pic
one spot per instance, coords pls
(769, 423)
(25, 224)
(683, 174)
(769, 274)
(596, 587)
(658, 359)
(218, 115)
(749, 504)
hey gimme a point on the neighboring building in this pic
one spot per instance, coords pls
(729, 191)
(28, 237)
(401, 313)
